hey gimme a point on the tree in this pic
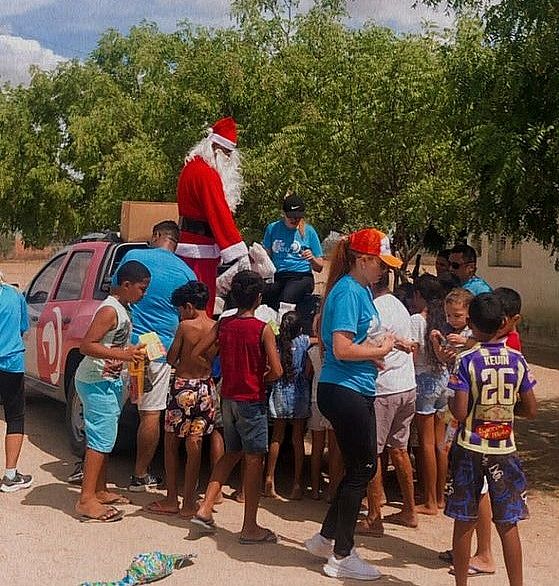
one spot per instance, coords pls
(357, 121)
(365, 138)
(505, 87)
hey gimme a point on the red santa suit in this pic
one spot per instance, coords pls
(208, 232)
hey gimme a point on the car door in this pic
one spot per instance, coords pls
(37, 296)
(56, 318)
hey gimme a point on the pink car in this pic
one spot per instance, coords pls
(61, 301)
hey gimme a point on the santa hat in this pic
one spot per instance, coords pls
(224, 133)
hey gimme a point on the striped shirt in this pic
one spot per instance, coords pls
(493, 375)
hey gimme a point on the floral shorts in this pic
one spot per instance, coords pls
(190, 407)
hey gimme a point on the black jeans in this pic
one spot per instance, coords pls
(11, 393)
(352, 416)
(289, 287)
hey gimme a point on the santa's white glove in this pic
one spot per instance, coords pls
(243, 264)
(223, 283)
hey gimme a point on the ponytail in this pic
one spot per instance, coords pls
(341, 263)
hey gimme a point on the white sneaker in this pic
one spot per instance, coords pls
(319, 546)
(351, 566)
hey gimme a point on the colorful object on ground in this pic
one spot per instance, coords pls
(149, 567)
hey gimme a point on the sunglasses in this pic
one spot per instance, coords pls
(457, 265)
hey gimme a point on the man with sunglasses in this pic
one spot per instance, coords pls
(463, 265)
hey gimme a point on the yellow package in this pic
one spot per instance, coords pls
(154, 347)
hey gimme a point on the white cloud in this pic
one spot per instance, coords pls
(14, 7)
(398, 14)
(17, 55)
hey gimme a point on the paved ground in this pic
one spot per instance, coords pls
(41, 543)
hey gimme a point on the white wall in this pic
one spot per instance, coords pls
(537, 281)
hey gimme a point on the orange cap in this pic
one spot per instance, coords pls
(374, 242)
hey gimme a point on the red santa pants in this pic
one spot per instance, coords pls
(206, 271)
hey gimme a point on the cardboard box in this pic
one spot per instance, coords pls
(137, 218)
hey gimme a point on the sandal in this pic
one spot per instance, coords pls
(365, 527)
(110, 515)
(208, 525)
(157, 509)
(268, 537)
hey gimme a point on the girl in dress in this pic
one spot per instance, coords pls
(289, 401)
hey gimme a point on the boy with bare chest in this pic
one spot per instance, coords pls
(190, 410)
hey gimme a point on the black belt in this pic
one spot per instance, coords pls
(199, 227)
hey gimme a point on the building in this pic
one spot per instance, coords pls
(533, 271)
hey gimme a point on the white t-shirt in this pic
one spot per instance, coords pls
(316, 360)
(399, 373)
(418, 329)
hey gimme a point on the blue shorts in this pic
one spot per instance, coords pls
(245, 426)
(431, 393)
(505, 479)
(102, 403)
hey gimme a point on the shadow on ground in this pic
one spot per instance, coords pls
(291, 553)
(538, 445)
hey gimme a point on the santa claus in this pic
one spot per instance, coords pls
(208, 193)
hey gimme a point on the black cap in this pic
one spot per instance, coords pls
(294, 206)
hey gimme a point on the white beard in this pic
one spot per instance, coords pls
(228, 168)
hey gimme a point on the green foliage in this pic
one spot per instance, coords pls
(504, 82)
(414, 134)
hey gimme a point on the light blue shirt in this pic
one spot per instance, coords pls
(287, 245)
(349, 307)
(476, 285)
(13, 324)
(155, 313)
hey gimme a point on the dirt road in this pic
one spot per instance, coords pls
(41, 543)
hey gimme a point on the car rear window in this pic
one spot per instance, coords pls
(71, 284)
(112, 259)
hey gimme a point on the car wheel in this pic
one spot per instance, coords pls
(74, 420)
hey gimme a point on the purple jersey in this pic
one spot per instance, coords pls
(493, 375)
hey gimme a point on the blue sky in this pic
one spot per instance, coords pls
(43, 32)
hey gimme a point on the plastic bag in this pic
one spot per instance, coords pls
(330, 242)
(223, 282)
(149, 567)
(261, 262)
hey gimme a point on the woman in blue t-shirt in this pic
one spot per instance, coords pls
(347, 388)
(295, 250)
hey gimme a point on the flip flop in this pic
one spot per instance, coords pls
(269, 537)
(104, 518)
(446, 556)
(364, 528)
(235, 496)
(473, 571)
(119, 500)
(394, 519)
(157, 509)
(208, 525)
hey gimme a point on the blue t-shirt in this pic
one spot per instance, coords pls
(154, 313)
(13, 324)
(476, 285)
(349, 307)
(287, 245)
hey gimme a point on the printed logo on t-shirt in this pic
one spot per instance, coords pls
(279, 246)
(375, 332)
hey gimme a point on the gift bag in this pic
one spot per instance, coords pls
(261, 262)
